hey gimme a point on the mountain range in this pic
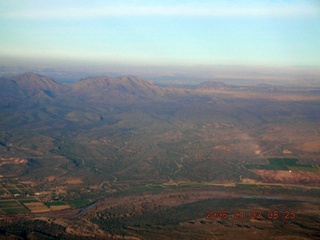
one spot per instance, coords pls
(33, 87)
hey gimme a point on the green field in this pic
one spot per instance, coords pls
(28, 200)
(284, 164)
(12, 207)
(283, 161)
(171, 186)
(155, 186)
(2, 191)
(247, 185)
(22, 188)
(303, 168)
(54, 203)
(187, 185)
(18, 210)
(8, 203)
(79, 203)
(13, 191)
(150, 187)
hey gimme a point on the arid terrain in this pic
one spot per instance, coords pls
(122, 158)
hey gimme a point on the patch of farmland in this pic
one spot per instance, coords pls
(288, 177)
(28, 200)
(9, 202)
(14, 191)
(12, 207)
(282, 164)
(59, 207)
(37, 207)
(15, 210)
(79, 202)
(54, 203)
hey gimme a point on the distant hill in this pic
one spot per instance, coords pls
(32, 84)
(212, 85)
(127, 87)
(34, 87)
(28, 88)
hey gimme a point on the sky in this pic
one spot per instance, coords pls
(161, 33)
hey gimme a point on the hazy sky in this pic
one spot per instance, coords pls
(162, 32)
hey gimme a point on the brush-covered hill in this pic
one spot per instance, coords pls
(32, 87)
(28, 88)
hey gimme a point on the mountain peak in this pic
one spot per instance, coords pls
(29, 75)
(34, 77)
(33, 83)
